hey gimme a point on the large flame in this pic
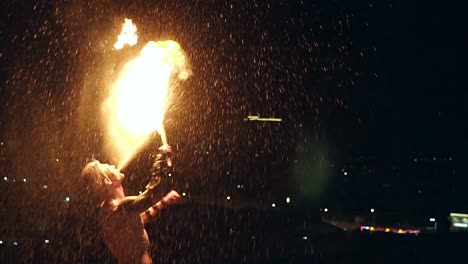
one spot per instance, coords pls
(139, 97)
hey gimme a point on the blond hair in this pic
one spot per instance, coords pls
(93, 181)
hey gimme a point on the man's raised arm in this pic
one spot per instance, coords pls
(171, 198)
(149, 197)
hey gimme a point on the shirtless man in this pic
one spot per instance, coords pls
(122, 218)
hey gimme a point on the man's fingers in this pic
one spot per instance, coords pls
(165, 148)
(172, 197)
(173, 193)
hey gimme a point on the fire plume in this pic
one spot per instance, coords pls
(140, 97)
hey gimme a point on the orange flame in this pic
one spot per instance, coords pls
(128, 35)
(139, 97)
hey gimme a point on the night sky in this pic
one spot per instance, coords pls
(383, 81)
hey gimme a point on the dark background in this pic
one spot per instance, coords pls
(375, 89)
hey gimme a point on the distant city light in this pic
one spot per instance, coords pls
(458, 215)
(24, 180)
(207, 152)
(169, 174)
(464, 225)
(304, 238)
(67, 199)
(15, 243)
(140, 192)
(273, 205)
(227, 172)
(5, 178)
(228, 198)
(45, 186)
(183, 194)
(57, 160)
(432, 219)
(46, 241)
(345, 173)
(238, 186)
(372, 210)
(326, 209)
(1, 242)
(288, 200)
(1, 143)
(393, 230)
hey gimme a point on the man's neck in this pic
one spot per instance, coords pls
(116, 193)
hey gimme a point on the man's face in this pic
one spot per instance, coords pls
(111, 172)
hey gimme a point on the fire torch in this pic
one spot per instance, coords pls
(161, 171)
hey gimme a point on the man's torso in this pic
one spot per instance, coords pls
(125, 235)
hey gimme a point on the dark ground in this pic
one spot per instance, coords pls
(212, 234)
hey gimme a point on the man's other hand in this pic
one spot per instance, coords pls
(171, 198)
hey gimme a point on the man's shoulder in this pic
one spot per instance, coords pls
(109, 206)
(120, 205)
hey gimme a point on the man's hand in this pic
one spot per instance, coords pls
(165, 148)
(171, 198)
(162, 162)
